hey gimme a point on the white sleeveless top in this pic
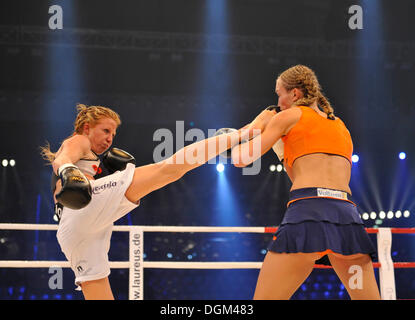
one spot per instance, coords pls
(88, 166)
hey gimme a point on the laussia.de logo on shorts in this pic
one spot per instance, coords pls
(101, 188)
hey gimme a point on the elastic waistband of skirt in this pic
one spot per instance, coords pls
(310, 193)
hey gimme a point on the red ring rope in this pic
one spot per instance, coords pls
(375, 265)
(368, 230)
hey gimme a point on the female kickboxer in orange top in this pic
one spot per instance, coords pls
(321, 216)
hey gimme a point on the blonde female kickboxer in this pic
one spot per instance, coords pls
(321, 217)
(87, 208)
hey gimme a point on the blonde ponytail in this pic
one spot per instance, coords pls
(47, 154)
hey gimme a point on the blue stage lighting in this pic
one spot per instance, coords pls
(220, 167)
(355, 158)
(402, 155)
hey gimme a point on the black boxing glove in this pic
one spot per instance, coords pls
(76, 189)
(116, 160)
(272, 108)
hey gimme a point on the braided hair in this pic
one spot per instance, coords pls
(304, 79)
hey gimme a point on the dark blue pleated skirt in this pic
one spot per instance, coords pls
(317, 220)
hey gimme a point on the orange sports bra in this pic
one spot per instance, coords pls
(315, 134)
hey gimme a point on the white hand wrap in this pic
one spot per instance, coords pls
(64, 166)
(278, 148)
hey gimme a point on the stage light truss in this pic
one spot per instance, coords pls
(187, 42)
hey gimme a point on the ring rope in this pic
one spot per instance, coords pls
(169, 265)
(23, 226)
(136, 264)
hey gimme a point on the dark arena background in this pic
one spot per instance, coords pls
(189, 64)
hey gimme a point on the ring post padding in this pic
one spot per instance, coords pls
(136, 269)
(386, 271)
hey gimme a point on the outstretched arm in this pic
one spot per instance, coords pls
(155, 176)
(275, 128)
(198, 153)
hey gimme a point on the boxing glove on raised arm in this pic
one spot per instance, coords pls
(76, 190)
(116, 159)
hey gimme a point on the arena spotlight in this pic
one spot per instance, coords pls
(4, 163)
(355, 158)
(12, 162)
(272, 167)
(220, 167)
(402, 155)
(279, 168)
(383, 215)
